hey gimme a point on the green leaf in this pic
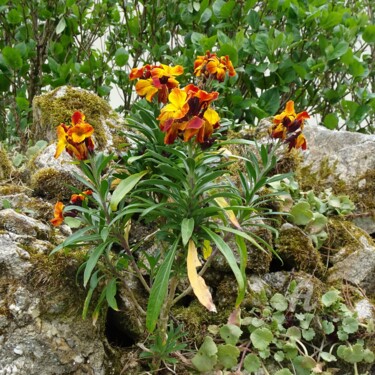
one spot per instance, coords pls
(328, 327)
(279, 356)
(294, 333)
(206, 358)
(61, 26)
(227, 8)
(331, 121)
(261, 43)
(368, 356)
(230, 258)
(76, 237)
(308, 334)
(72, 222)
(93, 284)
(301, 213)
(351, 354)
(283, 371)
(279, 302)
(22, 103)
(12, 57)
(111, 290)
(216, 7)
(160, 288)
(350, 325)
(304, 365)
(124, 187)
(227, 355)
(261, 338)
(270, 100)
(92, 261)
(369, 34)
(4, 82)
(206, 15)
(230, 333)
(14, 16)
(338, 50)
(327, 357)
(329, 298)
(252, 363)
(121, 56)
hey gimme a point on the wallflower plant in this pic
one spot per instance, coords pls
(176, 177)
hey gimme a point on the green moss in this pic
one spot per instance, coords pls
(52, 273)
(298, 252)
(196, 319)
(364, 192)
(56, 110)
(5, 165)
(342, 234)
(321, 179)
(10, 189)
(53, 184)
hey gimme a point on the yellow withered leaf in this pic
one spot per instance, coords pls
(197, 282)
(207, 249)
(230, 214)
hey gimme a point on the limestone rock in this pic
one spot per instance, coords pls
(348, 153)
(356, 265)
(41, 331)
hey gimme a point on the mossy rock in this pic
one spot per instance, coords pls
(298, 252)
(57, 106)
(5, 165)
(53, 184)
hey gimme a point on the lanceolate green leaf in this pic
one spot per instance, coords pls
(79, 236)
(160, 288)
(187, 227)
(229, 256)
(124, 187)
(92, 261)
(111, 290)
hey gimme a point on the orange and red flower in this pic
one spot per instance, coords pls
(210, 65)
(58, 214)
(156, 79)
(76, 138)
(288, 126)
(189, 114)
(76, 200)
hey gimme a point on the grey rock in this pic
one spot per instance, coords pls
(35, 337)
(17, 223)
(347, 152)
(356, 266)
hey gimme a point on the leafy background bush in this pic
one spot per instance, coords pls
(320, 53)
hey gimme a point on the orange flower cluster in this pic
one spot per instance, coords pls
(210, 65)
(76, 200)
(189, 114)
(76, 138)
(288, 126)
(156, 79)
